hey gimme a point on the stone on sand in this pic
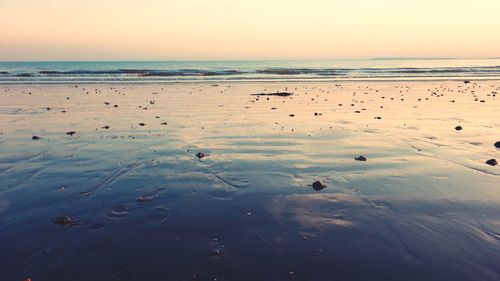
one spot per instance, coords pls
(317, 185)
(360, 158)
(64, 220)
(492, 162)
(279, 94)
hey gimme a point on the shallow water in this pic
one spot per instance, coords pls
(424, 206)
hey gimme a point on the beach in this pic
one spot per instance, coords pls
(213, 180)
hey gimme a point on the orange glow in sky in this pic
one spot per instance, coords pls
(246, 29)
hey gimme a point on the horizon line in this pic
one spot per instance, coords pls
(249, 60)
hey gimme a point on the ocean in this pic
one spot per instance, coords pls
(296, 70)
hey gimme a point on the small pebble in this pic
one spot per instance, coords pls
(492, 162)
(63, 220)
(360, 158)
(317, 185)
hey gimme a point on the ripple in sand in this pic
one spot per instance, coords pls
(118, 211)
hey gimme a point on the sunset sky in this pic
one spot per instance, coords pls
(247, 29)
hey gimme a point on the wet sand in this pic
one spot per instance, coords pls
(196, 181)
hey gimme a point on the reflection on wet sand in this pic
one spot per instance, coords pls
(194, 181)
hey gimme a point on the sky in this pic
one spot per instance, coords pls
(247, 29)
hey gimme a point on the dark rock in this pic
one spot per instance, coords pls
(292, 115)
(279, 94)
(497, 144)
(459, 128)
(142, 124)
(71, 133)
(64, 220)
(317, 185)
(35, 138)
(466, 81)
(105, 127)
(360, 158)
(492, 162)
(200, 155)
